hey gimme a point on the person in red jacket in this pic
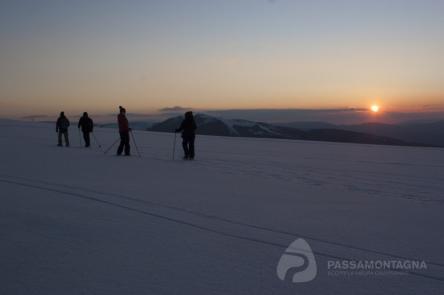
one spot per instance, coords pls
(124, 131)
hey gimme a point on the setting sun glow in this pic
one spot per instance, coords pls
(374, 108)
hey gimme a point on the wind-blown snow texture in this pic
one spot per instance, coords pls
(76, 221)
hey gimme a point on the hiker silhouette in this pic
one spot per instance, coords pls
(124, 132)
(87, 126)
(62, 129)
(188, 129)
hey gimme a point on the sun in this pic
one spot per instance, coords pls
(374, 108)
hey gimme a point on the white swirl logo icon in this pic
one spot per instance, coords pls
(297, 263)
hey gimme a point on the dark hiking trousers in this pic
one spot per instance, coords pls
(87, 139)
(124, 144)
(188, 146)
(63, 133)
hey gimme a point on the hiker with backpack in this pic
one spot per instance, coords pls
(87, 126)
(124, 131)
(188, 129)
(62, 129)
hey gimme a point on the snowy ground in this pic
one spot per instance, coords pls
(76, 221)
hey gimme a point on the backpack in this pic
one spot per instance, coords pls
(63, 123)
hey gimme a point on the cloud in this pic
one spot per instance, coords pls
(338, 116)
(433, 107)
(174, 109)
(36, 117)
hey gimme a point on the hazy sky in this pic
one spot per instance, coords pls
(93, 55)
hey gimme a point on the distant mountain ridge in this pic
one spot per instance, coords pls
(427, 133)
(208, 125)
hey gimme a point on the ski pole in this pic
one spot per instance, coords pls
(95, 139)
(80, 138)
(174, 145)
(106, 152)
(135, 144)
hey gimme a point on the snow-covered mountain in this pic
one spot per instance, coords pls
(77, 221)
(208, 125)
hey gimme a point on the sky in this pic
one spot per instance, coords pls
(94, 55)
